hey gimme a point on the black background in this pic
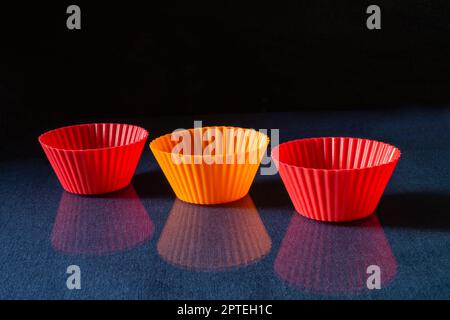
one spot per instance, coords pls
(141, 59)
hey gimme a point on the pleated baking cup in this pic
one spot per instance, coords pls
(94, 158)
(335, 258)
(210, 165)
(213, 238)
(335, 179)
(100, 225)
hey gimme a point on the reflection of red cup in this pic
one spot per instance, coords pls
(94, 158)
(334, 258)
(213, 237)
(100, 225)
(335, 179)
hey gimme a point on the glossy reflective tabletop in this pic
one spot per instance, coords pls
(143, 243)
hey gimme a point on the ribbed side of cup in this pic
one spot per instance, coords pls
(210, 182)
(350, 190)
(101, 169)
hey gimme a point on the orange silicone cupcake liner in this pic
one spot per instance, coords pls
(210, 165)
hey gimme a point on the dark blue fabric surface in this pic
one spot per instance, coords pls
(124, 256)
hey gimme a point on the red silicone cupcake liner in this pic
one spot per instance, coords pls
(335, 179)
(102, 224)
(334, 259)
(94, 158)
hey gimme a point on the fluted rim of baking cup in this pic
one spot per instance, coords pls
(263, 141)
(275, 154)
(143, 136)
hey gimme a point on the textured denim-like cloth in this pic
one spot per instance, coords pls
(139, 244)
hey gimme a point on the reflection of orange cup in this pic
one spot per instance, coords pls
(213, 237)
(335, 179)
(102, 224)
(210, 165)
(334, 258)
(94, 158)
